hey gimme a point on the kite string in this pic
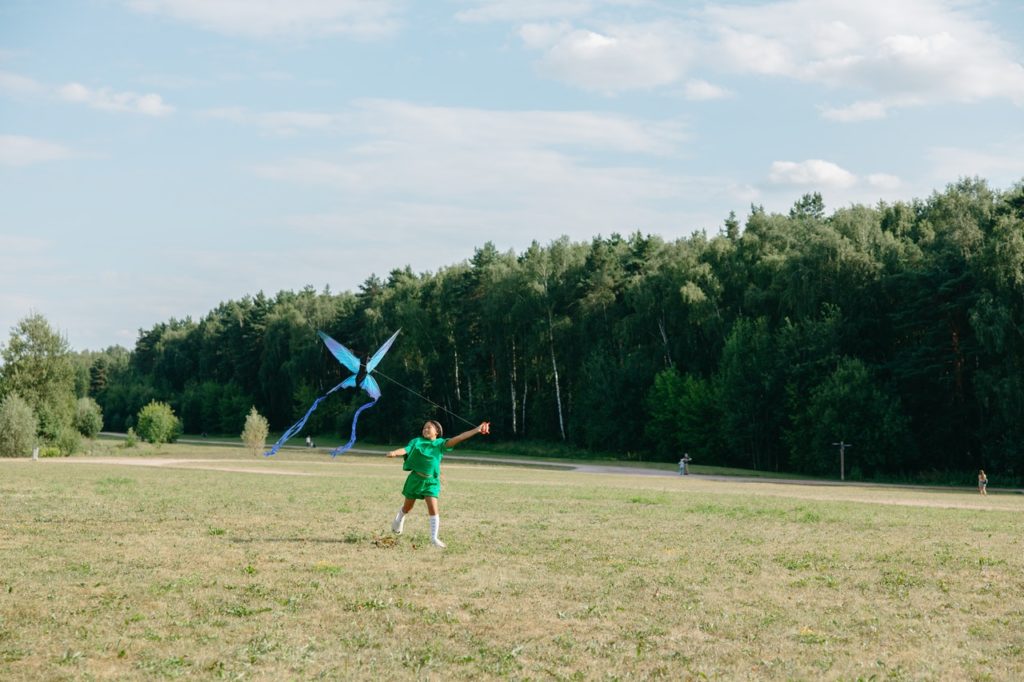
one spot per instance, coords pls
(440, 407)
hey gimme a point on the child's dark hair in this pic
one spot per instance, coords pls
(437, 425)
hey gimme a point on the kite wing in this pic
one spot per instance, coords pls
(343, 354)
(379, 355)
(371, 386)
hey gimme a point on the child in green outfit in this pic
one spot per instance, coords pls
(423, 462)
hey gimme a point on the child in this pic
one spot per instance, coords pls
(423, 462)
(982, 482)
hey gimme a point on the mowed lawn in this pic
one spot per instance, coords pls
(232, 571)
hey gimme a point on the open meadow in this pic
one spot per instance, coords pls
(211, 563)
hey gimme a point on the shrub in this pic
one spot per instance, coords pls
(131, 439)
(157, 423)
(254, 435)
(88, 417)
(18, 426)
(68, 440)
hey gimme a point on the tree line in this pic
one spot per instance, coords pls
(898, 328)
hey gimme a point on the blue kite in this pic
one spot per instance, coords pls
(363, 381)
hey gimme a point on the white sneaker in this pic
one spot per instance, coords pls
(437, 543)
(397, 525)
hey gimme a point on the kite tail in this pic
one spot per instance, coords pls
(352, 438)
(298, 425)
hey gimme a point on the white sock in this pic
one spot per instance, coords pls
(399, 521)
(435, 525)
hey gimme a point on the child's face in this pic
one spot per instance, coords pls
(429, 431)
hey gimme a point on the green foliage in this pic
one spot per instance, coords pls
(850, 406)
(809, 206)
(114, 386)
(254, 435)
(157, 423)
(88, 417)
(18, 425)
(37, 365)
(685, 418)
(68, 440)
(131, 439)
(215, 407)
(741, 349)
(750, 389)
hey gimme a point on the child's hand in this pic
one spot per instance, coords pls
(485, 428)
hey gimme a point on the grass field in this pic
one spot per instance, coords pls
(210, 563)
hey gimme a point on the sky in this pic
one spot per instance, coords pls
(159, 157)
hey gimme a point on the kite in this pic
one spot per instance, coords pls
(363, 380)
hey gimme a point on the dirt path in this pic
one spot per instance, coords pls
(831, 491)
(177, 463)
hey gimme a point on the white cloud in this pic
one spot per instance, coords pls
(858, 111)
(699, 91)
(283, 123)
(16, 247)
(523, 10)
(883, 55)
(752, 53)
(18, 150)
(884, 181)
(489, 173)
(1002, 167)
(15, 84)
(618, 58)
(166, 81)
(273, 18)
(107, 100)
(389, 124)
(542, 36)
(810, 173)
(900, 54)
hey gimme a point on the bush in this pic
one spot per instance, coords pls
(18, 426)
(255, 433)
(131, 439)
(68, 441)
(88, 417)
(49, 451)
(157, 423)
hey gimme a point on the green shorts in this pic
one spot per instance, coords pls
(417, 487)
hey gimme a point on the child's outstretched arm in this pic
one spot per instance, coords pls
(397, 452)
(485, 427)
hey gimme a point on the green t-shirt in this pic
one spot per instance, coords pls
(425, 456)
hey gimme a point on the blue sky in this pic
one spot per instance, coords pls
(158, 157)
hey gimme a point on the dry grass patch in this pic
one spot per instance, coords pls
(114, 571)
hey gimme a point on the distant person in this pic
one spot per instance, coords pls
(309, 442)
(683, 461)
(423, 462)
(982, 482)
